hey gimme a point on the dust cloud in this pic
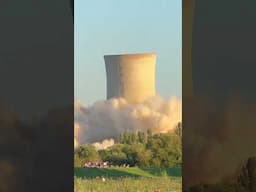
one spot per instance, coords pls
(109, 118)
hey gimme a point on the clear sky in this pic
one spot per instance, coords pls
(126, 26)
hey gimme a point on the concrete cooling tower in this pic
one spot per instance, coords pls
(131, 76)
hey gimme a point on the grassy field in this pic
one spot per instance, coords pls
(134, 172)
(127, 180)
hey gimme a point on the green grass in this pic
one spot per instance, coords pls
(131, 179)
(156, 184)
(172, 172)
(133, 172)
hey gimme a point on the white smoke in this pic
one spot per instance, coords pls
(109, 118)
(104, 144)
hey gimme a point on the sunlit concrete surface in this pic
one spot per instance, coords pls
(131, 76)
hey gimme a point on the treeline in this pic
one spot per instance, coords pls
(141, 149)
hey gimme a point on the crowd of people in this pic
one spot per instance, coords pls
(96, 164)
(105, 164)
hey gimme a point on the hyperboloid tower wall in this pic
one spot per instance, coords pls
(131, 76)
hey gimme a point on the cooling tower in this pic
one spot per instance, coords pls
(131, 76)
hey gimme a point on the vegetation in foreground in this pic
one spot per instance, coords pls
(132, 172)
(142, 149)
(148, 156)
(132, 179)
(157, 184)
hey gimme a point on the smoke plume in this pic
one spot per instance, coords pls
(109, 118)
(104, 144)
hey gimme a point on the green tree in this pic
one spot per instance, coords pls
(166, 150)
(178, 129)
(88, 153)
(77, 161)
(121, 138)
(149, 133)
(141, 137)
(117, 156)
(139, 155)
(133, 137)
(126, 138)
(104, 154)
(144, 150)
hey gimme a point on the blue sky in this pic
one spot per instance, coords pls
(134, 26)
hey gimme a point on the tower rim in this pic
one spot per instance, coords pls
(131, 54)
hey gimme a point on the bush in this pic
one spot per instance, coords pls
(142, 149)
